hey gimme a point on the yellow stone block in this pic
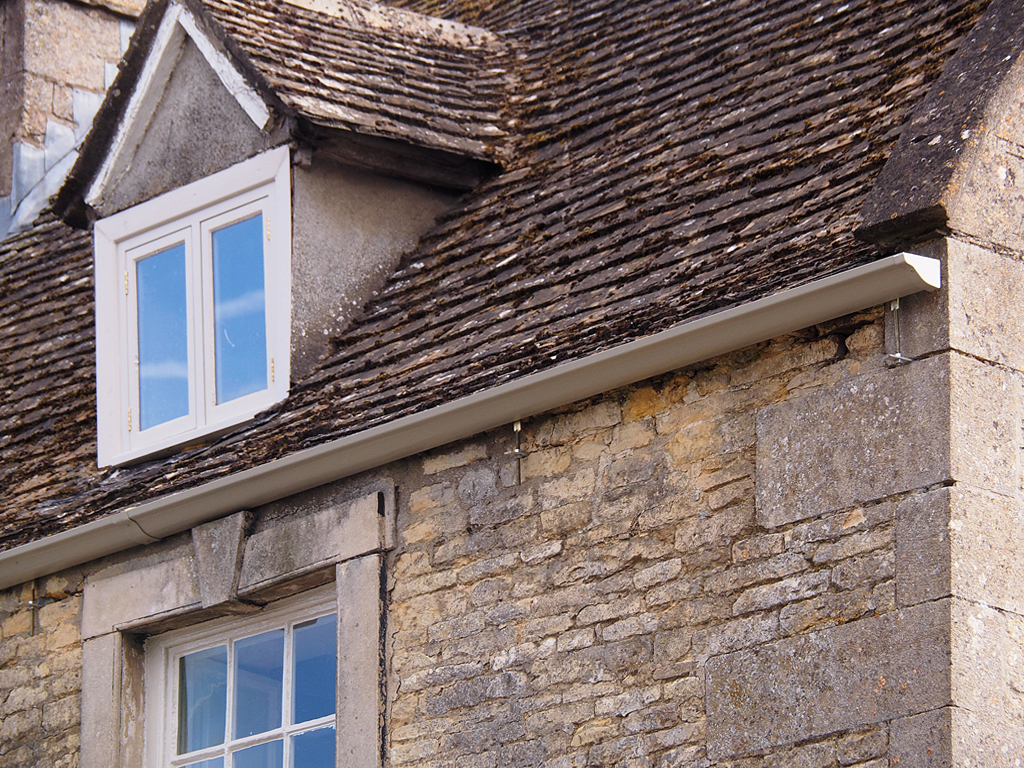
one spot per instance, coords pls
(17, 623)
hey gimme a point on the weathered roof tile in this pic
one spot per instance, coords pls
(383, 71)
(672, 159)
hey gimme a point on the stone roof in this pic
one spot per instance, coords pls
(47, 376)
(672, 159)
(376, 70)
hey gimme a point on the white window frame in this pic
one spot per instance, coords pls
(262, 184)
(161, 694)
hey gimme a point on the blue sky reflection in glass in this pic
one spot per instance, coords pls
(213, 762)
(313, 749)
(315, 671)
(202, 699)
(163, 336)
(259, 683)
(269, 755)
(239, 309)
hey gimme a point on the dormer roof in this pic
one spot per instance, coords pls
(378, 71)
(388, 89)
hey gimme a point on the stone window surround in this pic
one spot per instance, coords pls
(231, 566)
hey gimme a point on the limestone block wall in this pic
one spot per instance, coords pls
(40, 673)
(714, 568)
(792, 555)
(58, 58)
(964, 540)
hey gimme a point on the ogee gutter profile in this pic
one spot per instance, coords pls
(679, 346)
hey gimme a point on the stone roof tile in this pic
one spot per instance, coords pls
(673, 159)
(381, 71)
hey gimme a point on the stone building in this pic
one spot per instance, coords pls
(513, 384)
(57, 60)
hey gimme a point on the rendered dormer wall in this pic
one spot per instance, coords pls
(197, 129)
(349, 230)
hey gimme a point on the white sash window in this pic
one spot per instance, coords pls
(247, 693)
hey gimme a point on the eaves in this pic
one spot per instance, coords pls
(676, 347)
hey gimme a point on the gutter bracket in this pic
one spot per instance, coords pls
(897, 358)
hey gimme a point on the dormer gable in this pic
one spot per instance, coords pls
(192, 112)
(242, 219)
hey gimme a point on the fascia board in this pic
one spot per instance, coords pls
(679, 346)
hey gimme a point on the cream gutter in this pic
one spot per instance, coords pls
(679, 346)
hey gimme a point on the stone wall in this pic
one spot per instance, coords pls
(57, 59)
(792, 555)
(40, 674)
(701, 570)
(12, 89)
(963, 541)
(67, 46)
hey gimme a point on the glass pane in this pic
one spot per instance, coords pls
(313, 749)
(259, 683)
(316, 653)
(163, 337)
(269, 755)
(202, 699)
(213, 762)
(239, 314)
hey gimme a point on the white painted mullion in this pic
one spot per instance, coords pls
(311, 725)
(287, 706)
(269, 310)
(200, 318)
(129, 416)
(256, 739)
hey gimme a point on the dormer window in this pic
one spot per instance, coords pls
(195, 261)
(193, 309)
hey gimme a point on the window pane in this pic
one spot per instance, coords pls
(316, 653)
(269, 755)
(259, 683)
(239, 314)
(202, 699)
(163, 336)
(313, 749)
(213, 762)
